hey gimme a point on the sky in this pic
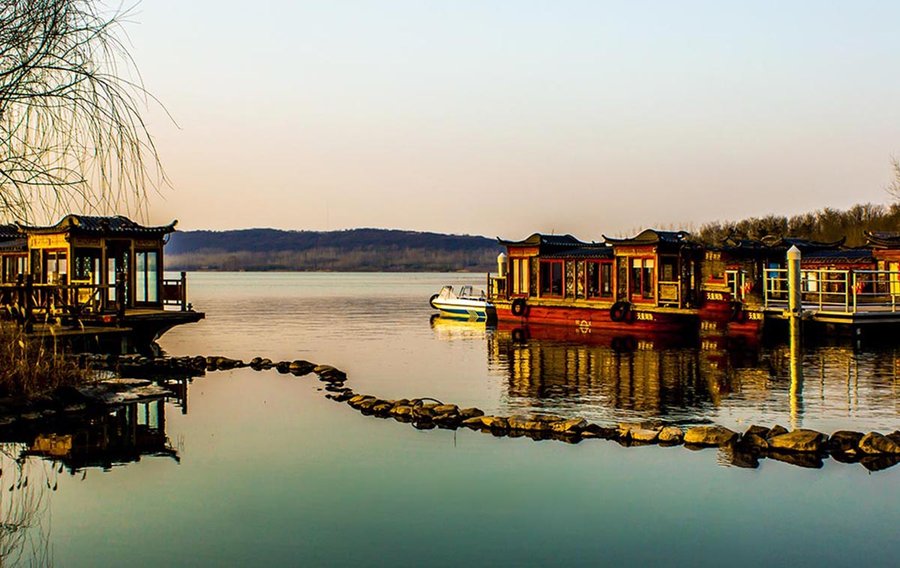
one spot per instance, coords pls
(503, 118)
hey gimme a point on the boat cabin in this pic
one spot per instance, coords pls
(558, 267)
(654, 268)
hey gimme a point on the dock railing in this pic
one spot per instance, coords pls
(26, 301)
(834, 290)
(174, 292)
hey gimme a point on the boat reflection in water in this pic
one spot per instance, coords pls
(453, 329)
(684, 379)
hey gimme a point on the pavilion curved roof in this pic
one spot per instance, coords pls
(101, 226)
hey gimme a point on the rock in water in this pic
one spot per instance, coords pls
(844, 441)
(671, 435)
(799, 440)
(776, 430)
(875, 443)
(572, 426)
(644, 435)
(710, 436)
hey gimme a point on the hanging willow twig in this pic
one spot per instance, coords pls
(72, 137)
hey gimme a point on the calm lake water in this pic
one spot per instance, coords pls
(259, 468)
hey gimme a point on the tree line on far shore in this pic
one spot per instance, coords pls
(824, 225)
(334, 259)
(355, 250)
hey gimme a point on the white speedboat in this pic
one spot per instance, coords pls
(464, 304)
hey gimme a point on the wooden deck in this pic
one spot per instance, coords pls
(871, 315)
(142, 325)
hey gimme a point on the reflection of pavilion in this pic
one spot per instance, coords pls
(120, 436)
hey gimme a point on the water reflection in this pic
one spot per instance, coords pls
(448, 329)
(690, 380)
(24, 504)
(119, 437)
(34, 455)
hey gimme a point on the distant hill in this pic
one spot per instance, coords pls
(352, 250)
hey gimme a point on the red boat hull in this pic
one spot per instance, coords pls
(638, 319)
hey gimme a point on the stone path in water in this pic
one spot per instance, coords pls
(801, 447)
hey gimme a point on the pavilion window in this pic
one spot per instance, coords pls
(146, 276)
(86, 266)
(13, 266)
(56, 266)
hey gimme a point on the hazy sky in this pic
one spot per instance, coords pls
(509, 117)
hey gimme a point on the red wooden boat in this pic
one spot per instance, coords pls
(643, 284)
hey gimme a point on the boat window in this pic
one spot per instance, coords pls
(599, 279)
(635, 288)
(606, 288)
(516, 267)
(533, 278)
(551, 278)
(593, 279)
(642, 281)
(648, 277)
(570, 279)
(667, 269)
(579, 279)
(622, 277)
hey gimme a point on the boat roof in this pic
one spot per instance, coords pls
(651, 237)
(883, 239)
(538, 239)
(803, 244)
(596, 251)
(839, 256)
(116, 226)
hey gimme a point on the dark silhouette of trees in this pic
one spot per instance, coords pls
(71, 132)
(823, 225)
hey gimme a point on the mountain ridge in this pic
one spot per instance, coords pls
(363, 249)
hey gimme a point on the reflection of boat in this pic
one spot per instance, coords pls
(585, 335)
(453, 329)
(464, 304)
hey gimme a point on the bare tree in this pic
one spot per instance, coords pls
(894, 187)
(71, 132)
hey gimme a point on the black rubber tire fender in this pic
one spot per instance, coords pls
(519, 308)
